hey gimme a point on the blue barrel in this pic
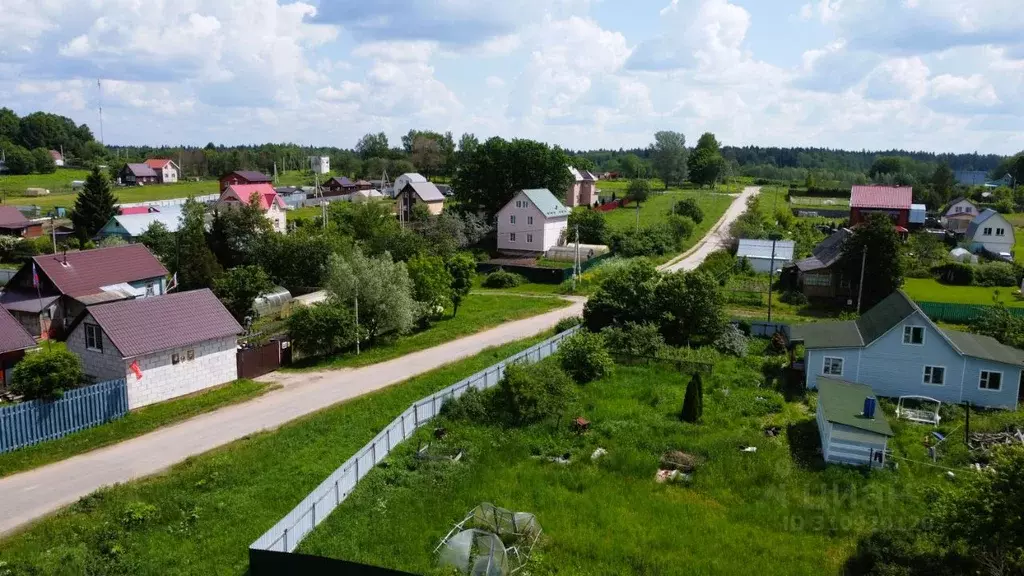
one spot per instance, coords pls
(869, 407)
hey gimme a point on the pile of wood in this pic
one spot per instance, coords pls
(985, 441)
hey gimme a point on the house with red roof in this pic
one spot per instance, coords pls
(893, 201)
(164, 347)
(51, 290)
(263, 195)
(14, 341)
(166, 170)
(58, 158)
(243, 177)
(14, 223)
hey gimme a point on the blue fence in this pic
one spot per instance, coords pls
(32, 422)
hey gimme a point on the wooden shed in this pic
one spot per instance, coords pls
(852, 427)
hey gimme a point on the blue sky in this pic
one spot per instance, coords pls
(943, 75)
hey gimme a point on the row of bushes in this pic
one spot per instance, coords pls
(989, 274)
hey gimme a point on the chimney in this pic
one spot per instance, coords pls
(869, 407)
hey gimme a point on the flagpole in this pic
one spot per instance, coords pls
(39, 299)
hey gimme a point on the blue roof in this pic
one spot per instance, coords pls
(546, 202)
(978, 220)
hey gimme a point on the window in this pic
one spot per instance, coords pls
(512, 237)
(529, 238)
(149, 289)
(817, 280)
(934, 375)
(190, 355)
(529, 220)
(990, 380)
(175, 358)
(832, 366)
(913, 334)
(512, 219)
(959, 209)
(987, 232)
(1000, 232)
(93, 337)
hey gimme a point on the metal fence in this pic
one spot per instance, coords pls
(290, 530)
(205, 199)
(27, 423)
(960, 313)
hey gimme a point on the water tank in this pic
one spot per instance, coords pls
(869, 407)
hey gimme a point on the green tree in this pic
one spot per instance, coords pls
(1016, 169)
(299, 261)
(638, 190)
(235, 233)
(591, 225)
(94, 206)
(383, 290)
(534, 393)
(43, 161)
(10, 125)
(468, 144)
(462, 268)
(431, 285)
(707, 166)
(585, 357)
(239, 287)
(160, 241)
(444, 234)
(46, 374)
(631, 166)
(373, 146)
(194, 263)
(688, 207)
(693, 401)
(583, 163)
(669, 157)
(876, 238)
(997, 321)
(690, 308)
(323, 328)
(498, 169)
(626, 295)
(943, 181)
(19, 160)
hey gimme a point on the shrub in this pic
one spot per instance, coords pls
(136, 514)
(650, 241)
(794, 297)
(688, 207)
(996, 274)
(957, 273)
(473, 406)
(719, 264)
(502, 279)
(323, 328)
(567, 323)
(681, 227)
(634, 339)
(731, 341)
(533, 393)
(777, 345)
(584, 357)
(46, 374)
(693, 402)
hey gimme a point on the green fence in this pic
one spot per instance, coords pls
(959, 313)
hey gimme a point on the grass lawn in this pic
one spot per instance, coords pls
(308, 213)
(930, 290)
(124, 194)
(656, 209)
(525, 288)
(1018, 244)
(201, 515)
(477, 313)
(135, 423)
(778, 509)
(58, 181)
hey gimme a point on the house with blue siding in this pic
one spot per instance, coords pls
(898, 351)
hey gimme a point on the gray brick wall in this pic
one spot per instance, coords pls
(214, 364)
(99, 365)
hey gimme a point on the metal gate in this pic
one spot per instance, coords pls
(255, 361)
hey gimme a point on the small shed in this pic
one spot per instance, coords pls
(852, 427)
(917, 213)
(963, 255)
(760, 253)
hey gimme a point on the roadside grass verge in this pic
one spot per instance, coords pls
(931, 290)
(478, 312)
(200, 516)
(133, 424)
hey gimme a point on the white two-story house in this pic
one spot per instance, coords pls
(531, 223)
(990, 231)
(166, 170)
(898, 351)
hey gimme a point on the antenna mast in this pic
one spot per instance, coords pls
(99, 88)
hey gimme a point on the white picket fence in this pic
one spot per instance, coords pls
(290, 530)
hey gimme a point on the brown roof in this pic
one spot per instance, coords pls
(13, 335)
(86, 271)
(146, 325)
(11, 216)
(252, 176)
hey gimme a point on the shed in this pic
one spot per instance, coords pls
(759, 253)
(848, 435)
(917, 213)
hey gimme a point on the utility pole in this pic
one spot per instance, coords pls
(99, 88)
(357, 319)
(771, 279)
(860, 288)
(576, 260)
(53, 231)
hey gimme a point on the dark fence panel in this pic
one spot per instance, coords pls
(541, 275)
(273, 563)
(259, 360)
(28, 423)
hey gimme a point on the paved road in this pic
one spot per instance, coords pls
(30, 495)
(717, 237)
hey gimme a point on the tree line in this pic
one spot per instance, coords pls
(26, 142)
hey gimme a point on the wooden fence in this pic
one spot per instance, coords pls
(27, 423)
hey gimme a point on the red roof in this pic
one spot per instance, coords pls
(83, 273)
(13, 335)
(146, 325)
(11, 216)
(56, 155)
(157, 164)
(243, 192)
(892, 197)
(127, 210)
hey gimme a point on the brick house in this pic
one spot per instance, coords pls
(165, 347)
(893, 201)
(166, 170)
(14, 340)
(269, 202)
(137, 174)
(69, 282)
(243, 177)
(14, 223)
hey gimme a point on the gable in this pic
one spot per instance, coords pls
(935, 339)
(994, 221)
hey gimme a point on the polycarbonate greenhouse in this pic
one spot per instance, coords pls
(272, 303)
(490, 541)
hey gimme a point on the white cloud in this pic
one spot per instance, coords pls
(494, 82)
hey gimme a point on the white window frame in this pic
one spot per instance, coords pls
(981, 378)
(959, 209)
(828, 360)
(529, 238)
(929, 378)
(95, 333)
(1000, 231)
(529, 220)
(512, 237)
(986, 232)
(512, 219)
(908, 335)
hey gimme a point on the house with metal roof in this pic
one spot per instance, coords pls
(766, 255)
(265, 198)
(852, 427)
(898, 351)
(990, 231)
(14, 341)
(403, 180)
(137, 175)
(957, 215)
(166, 170)
(820, 275)
(14, 223)
(582, 189)
(532, 222)
(129, 226)
(243, 177)
(51, 290)
(413, 193)
(893, 201)
(165, 347)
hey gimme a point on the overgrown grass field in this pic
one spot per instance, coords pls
(931, 290)
(778, 509)
(201, 515)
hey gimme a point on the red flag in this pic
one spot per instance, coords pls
(135, 368)
(35, 276)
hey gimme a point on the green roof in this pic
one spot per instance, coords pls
(828, 334)
(884, 315)
(842, 402)
(546, 202)
(984, 347)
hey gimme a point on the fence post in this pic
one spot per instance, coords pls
(314, 513)
(337, 494)
(285, 540)
(403, 425)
